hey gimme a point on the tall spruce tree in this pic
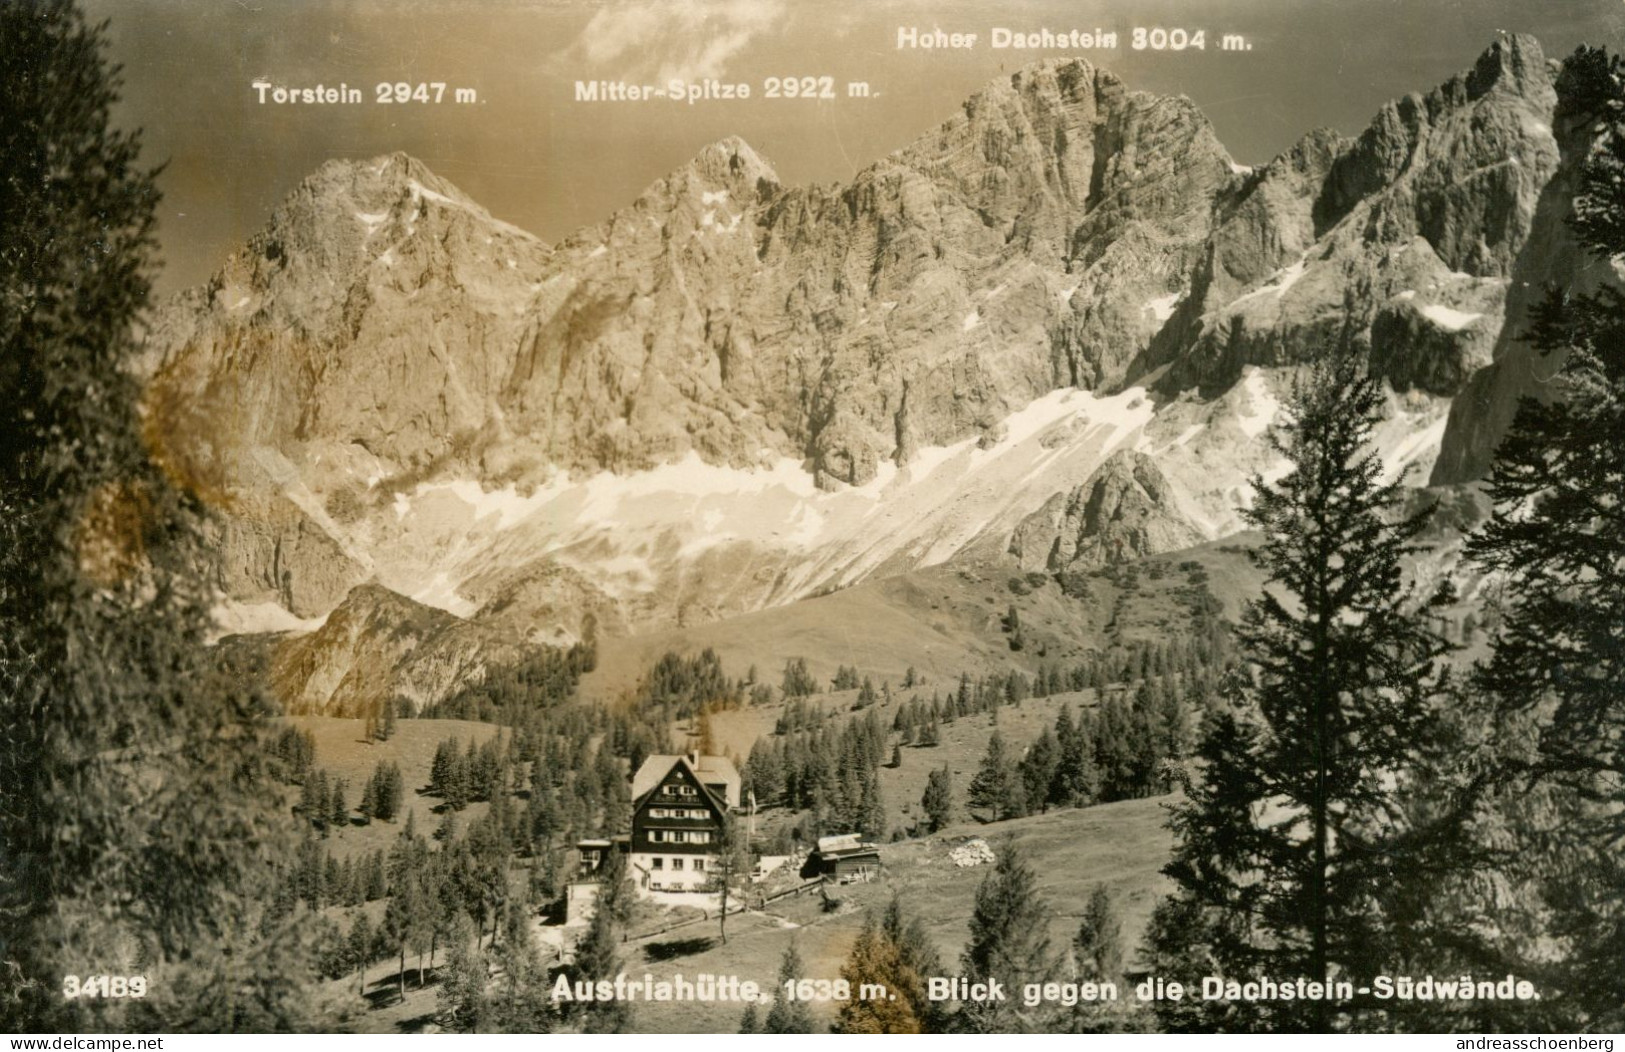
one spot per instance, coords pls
(464, 1005)
(1010, 943)
(1099, 943)
(876, 959)
(1299, 831)
(598, 956)
(997, 785)
(938, 800)
(1077, 778)
(132, 820)
(788, 1016)
(1556, 542)
(918, 957)
(360, 949)
(520, 1002)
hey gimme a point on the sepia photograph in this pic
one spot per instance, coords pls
(787, 517)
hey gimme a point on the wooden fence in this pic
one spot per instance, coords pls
(733, 907)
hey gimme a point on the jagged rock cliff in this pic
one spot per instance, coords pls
(1548, 258)
(387, 322)
(1125, 511)
(1398, 244)
(377, 647)
(389, 384)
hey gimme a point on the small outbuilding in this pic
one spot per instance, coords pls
(843, 860)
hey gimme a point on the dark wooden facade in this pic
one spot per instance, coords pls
(677, 828)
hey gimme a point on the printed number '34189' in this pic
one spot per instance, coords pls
(104, 986)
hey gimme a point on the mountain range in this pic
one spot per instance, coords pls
(1050, 333)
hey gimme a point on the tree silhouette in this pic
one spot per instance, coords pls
(730, 871)
(1099, 945)
(938, 801)
(132, 783)
(1290, 844)
(1009, 942)
(1556, 538)
(875, 959)
(788, 1016)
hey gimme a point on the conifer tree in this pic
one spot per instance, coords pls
(446, 832)
(401, 919)
(875, 959)
(360, 948)
(938, 801)
(338, 812)
(1037, 769)
(598, 956)
(918, 959)
(445, 754)
(730, 871)
(1117, 756)
(995, 779)
(1077, 778)
(457, 789)
(1099, 944)
(788, 1016)
(519, 1003)
(798, 681)
(1009, 942)
(368, 804)
(1556, 540)
(1299, 835)
(384, 792)
(462, 996)
(706, 739)
(871, 807)
(314, 800)
(116, 725)
(616, 895)
(377, 883)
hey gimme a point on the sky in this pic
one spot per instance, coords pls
(537, 158)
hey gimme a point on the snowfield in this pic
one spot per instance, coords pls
(750, 538)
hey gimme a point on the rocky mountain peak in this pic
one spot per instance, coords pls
(377, 646)
(1514, 63)
(732, 163)
(384, 175)
(384, 338)
(348, 201)
(1425, 213)
(1125, 511)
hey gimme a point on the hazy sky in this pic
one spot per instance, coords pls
(538, 159)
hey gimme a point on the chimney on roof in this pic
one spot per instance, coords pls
(694, 760)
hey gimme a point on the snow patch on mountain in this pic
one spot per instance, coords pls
(642, 531)
(232, 617)
(1262, 404)
(748, 538)
(1449, 317)
(1162, 308)
(1410, 437)
(1276, 286)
